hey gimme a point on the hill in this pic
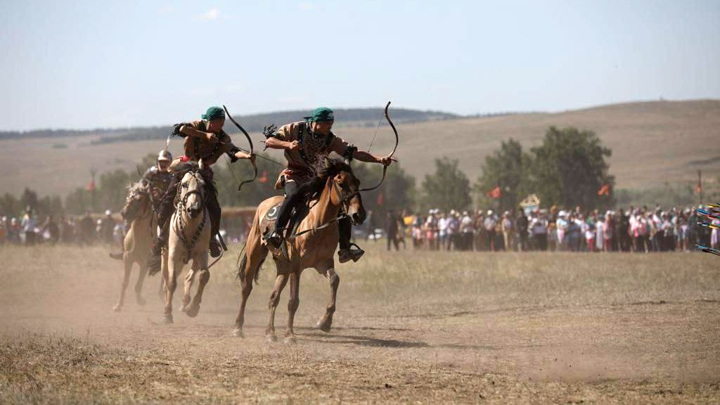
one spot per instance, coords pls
(652, 142)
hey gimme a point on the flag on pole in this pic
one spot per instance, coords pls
(495, 193)
(698, 188)
(380, 198)
(91, 186)
(263, 177)
(604, 190)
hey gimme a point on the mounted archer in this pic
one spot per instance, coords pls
(206, 140)
(307, 144)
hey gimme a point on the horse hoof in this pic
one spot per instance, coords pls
(117, 308)
(324, 326)
(290, 340)
(167, 319)
(192, 311)
(271, 338)
(237, 332)
(141, 301)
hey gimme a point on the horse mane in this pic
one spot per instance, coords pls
(136, 187)
(332, 168)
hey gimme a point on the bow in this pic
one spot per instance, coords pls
(252, 149)
(397, 141)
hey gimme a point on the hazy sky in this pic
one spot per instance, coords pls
(87, 64)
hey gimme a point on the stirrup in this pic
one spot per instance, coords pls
(215, 248)
(274, 239)
(117, 256)
(345, 255)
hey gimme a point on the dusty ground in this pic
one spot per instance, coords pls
(410, 327)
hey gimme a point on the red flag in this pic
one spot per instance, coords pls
(605, 189)
(263, 177)
(380, 198)
(91, 186)
(495, 193)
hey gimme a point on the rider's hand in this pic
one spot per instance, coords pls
(386, 161)
(294, 145)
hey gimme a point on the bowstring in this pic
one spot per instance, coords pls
(375, 135)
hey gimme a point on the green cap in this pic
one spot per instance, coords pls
(321, 114)
(213, 113)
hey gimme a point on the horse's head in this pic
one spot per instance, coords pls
(345, 189)
(136, 201)
(192, 193)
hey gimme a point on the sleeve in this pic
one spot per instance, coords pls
(176, 129)
(147, 177)
(287, 133)
(230, 148)
(342, 148)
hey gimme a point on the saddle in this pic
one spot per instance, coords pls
(267, 225)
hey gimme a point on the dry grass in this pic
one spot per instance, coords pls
(410, 327)
(652, 143)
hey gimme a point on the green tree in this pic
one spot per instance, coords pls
(448, 188)
(397, 190)
(569, 168)
(507, 167)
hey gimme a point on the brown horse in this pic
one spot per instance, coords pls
(189, 240)
(314, 246)
(137, 241)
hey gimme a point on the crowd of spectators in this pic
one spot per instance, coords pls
(637, 229)
(82, 230)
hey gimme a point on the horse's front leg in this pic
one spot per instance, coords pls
(127, 263)
(175, 266)
(325, 323)
(203, 278)
(139, 284)
(189, 279)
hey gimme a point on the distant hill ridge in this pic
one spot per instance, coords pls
(346, 117)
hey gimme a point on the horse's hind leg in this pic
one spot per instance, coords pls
(280, 282)
(293, 305)
(127, 263)
(139, 284)
(325, 323)
(249, 267)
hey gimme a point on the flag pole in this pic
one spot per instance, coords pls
(700, 185)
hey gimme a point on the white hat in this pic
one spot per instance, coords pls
(490, 212)
(108, 212)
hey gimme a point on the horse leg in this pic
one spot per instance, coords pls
(250, 265)
(163, 279)
(127, 263)
(293, 305)
(189, 279)
(280, 282)
(139, 284)
(174, 268)
(325, 322)
(203, 278)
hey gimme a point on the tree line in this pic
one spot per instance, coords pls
(567, 169)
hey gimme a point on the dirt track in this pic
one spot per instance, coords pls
(412, 327)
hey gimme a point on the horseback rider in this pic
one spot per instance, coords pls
(156, 179)
(206, 140)
(306, 144)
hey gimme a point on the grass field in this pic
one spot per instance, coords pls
(652, 143)
(410, 327)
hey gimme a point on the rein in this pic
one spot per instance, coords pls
(344, 202)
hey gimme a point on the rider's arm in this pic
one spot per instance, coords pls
(285, 138)
(341, 147)
(191, 131)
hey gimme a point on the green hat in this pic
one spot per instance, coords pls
(321, 114)
(213, 113)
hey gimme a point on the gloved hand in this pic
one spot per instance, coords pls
(269, 131)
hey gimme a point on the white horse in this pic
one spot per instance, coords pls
(189, 240)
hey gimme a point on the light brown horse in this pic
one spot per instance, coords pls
(189, 240)
(137, 241)
(314, 248)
